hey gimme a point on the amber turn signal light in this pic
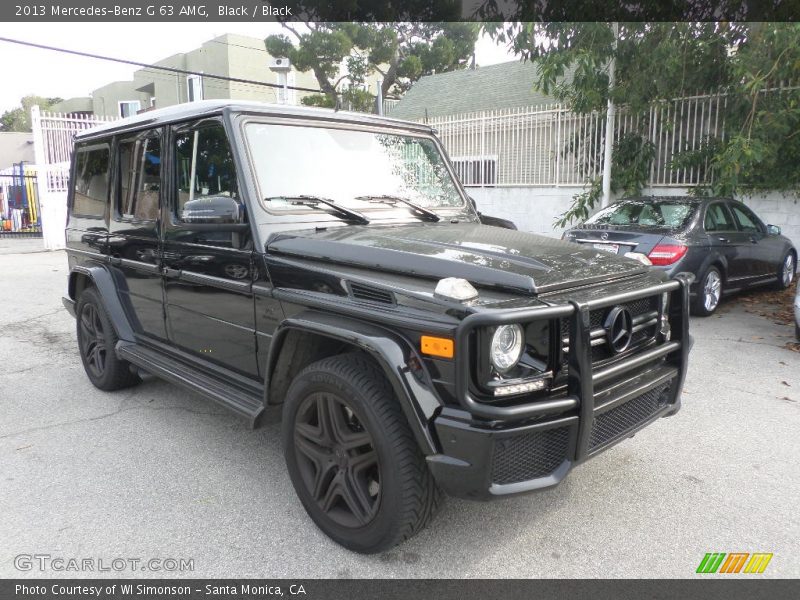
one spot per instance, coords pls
(436, 346)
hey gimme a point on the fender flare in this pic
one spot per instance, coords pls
(713, 257)
(104, 283)
(389, 350)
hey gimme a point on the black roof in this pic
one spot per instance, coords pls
(204, 108)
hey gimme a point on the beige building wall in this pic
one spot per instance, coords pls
(229, 55)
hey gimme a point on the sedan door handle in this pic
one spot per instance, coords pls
(172, 273)
(723, 239)
(115, 260)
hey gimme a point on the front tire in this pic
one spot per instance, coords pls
(96, 342)
(709, 293)
(352, 458)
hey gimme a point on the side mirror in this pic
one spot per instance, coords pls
(773, 230)
(214, 213)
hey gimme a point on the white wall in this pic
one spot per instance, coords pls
(535, 208)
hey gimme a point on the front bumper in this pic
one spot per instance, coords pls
(516, 449)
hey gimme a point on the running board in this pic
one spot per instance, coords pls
(243, 403)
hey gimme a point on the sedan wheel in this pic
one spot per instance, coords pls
(709, 292)
(787, 271)
(712, 290)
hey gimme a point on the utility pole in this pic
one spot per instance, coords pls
(611, 113)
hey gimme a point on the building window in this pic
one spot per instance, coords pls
(128, 108)
(194, 88)
(476, 170)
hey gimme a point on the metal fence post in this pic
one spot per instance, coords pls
(52, 229)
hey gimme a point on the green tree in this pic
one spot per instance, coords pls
(400, 52)
(756, 66)
(19, 119)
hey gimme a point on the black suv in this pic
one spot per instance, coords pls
(328, 270)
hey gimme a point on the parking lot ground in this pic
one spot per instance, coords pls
(156, 472)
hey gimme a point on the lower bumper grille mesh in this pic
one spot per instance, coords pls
(615, 422)
(529, 455)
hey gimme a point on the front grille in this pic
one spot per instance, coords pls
(529, 455)
(615, 422)
(643, 309)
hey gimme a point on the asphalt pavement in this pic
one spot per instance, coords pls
(157, 472)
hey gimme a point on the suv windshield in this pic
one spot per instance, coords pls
(350, 167)
(650, 213)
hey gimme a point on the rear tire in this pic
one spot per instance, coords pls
(96, 342)
(709, 293)
(786, 271)
(352, 458)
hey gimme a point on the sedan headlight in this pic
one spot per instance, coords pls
(506, 348)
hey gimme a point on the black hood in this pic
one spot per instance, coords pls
(486, 256)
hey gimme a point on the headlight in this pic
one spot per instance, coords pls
(505, 351)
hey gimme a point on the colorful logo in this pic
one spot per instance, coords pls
(736, 562)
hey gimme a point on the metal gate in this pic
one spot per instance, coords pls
(20, 214)
(53, 135)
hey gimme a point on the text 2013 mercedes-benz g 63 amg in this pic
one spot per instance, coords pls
(328, 268)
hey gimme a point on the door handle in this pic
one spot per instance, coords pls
(115, 259)
(172, 273)
(723, 239)
(753, 240)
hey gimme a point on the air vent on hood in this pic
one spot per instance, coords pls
(359, 291)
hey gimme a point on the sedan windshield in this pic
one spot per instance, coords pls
(650, 213)
(353, 168)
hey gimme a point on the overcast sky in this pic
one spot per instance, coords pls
(46, 73)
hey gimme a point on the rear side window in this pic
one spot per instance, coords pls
(140, 178)
(91, 181)
(718, 218)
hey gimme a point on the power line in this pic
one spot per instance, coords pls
(158, 67)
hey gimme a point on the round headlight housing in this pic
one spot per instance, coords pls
(506, 348)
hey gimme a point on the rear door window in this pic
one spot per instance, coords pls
(718, 218)
(140, 178)
(91, 186)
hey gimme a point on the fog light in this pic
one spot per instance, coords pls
(521, 388)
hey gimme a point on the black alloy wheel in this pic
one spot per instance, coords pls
(96, 342)
(337, 460)
(92, 340)
(352, 457)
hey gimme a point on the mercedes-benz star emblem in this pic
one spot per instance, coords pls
(604, 236)
(619, 329)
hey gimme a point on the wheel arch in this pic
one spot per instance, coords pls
(102, 280)
(312, 335)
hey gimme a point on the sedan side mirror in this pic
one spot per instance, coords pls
(773, 230)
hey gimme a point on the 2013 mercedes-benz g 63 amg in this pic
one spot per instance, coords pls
(328, 269)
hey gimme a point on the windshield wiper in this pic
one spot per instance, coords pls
(344, 213)
(421, 211)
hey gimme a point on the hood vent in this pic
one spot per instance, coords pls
(359, 291)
